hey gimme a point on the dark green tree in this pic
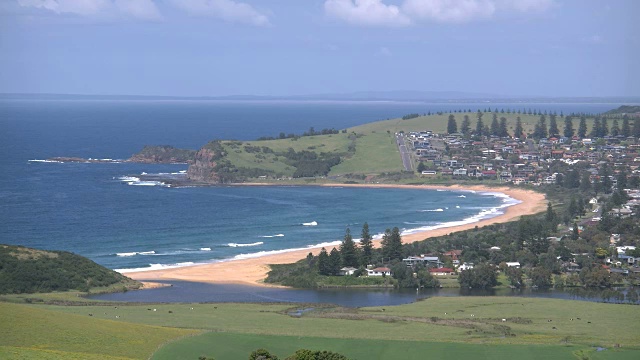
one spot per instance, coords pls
(304, 354)
(479, 124)
(348, 250)
(324, 267)
(366, 245)
(596, 130)
(452, 126)
(392, 245)
(465, 128)
(582, 127)
(604, 127)
(495, 125)
(605, 181)
(335, 261)
(626, 128)
(262, 354)
(585, 183)
(519, 131)
(503, 132)
(482, 276)
(540, 277)
(568, 127)
(421, 167)
(515, 277)
(615, 128)
(553, 126)
(636, 127)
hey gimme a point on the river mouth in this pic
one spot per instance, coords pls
(192, 292)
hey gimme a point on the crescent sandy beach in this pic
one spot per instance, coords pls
(254, 270)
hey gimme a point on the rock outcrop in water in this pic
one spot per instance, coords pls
(163, 154)
(206, 161)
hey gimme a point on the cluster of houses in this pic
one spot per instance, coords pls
(519, 161)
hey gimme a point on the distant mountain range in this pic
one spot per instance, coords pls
(405, 95)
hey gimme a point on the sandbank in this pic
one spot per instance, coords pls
(254, 270)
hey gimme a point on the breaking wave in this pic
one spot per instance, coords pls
(243, 245)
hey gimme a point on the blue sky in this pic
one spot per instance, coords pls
(296, 47)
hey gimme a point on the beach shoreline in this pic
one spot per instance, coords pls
(252, 271)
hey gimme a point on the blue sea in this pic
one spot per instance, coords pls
(89, 210)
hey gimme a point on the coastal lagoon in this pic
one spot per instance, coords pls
(184, 291)
(91, 209)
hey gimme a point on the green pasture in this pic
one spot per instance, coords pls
(375, 147)
(229, 346)
(28, 332)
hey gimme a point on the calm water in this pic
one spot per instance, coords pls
(86, 209)
(181, 291)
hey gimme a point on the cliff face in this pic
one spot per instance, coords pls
(163, 154)
(203, 167)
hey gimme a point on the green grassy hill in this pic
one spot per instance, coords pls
(26, 270)
(31, 332)
(365, 149)
(442, 326)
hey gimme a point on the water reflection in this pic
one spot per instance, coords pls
(182, 291)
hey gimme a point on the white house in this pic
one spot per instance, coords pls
(381, 271)
(465, 266)
(347, 271)
(514, 264)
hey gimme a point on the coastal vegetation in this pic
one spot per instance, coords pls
(26, 270)
(163, 154)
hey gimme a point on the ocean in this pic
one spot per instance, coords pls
(88, 208)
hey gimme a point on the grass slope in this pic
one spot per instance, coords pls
(527, 320)
(375, 148)
(230, 346)
(30, 332)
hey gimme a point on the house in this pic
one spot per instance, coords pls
(347, 271)
(380, 271)
(428, 172)
(465, 266)
(453, 254)
(513, 264)
(429, 261)
(460, 172)
(442, 271)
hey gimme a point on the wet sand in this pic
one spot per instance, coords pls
(253, 271)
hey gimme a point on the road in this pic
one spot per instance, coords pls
(404, 153)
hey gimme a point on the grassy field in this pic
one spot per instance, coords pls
(375, 148)
(28, 332)
(238, 346)
(438, 325)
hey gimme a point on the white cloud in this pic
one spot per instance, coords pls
(366, 12)
(143, 9)
(377, 13)
(449, 10)
(226, 10)
(140, 9)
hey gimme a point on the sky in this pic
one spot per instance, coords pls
(517, 48)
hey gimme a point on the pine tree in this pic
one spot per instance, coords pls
(421, 167)
(452, 126)
(519, 131)
(636, 127)
(503, 132)
(553, 126)
(349, 250)
(596, 130)
(605, 181)
(495, 125)
(542, 123)
(479, 124)
(626, 128)
(604, 127)
(335, 261)
(585, 183)
(324, 268)
(367, 245)
(582, 128)
(615, 128)
(392, 244)
(568, 127)
(465, 128)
